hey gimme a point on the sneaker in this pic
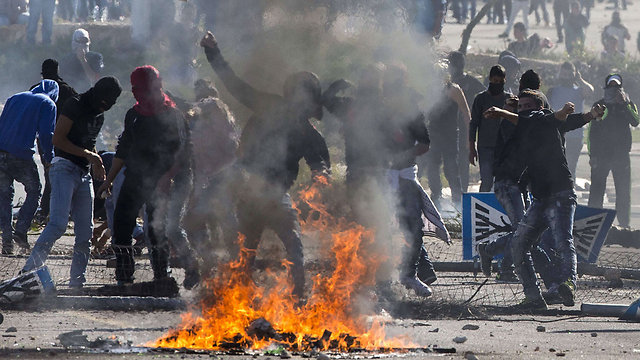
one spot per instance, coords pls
(503, 35)
(507, 276)
(552, 297)
(191, 278)
(567, 291)
(21, 240)
(529, 304)
(485, 259)
(413, 283)
(426, 275)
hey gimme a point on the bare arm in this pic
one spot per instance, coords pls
(496, 113)
(456, 94)
(586, 88)
(60, 140)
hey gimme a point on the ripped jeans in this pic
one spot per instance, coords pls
(555, 213)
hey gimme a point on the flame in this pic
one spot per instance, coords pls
(235, 300)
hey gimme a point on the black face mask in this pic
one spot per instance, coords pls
(496, 89)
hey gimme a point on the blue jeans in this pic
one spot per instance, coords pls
(485, 161)
(509, 196)
(71, 193)
(555, 213)
(36, 9)
(25, 172)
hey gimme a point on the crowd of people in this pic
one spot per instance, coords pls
(194, 178)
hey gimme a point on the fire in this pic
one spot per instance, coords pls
(328, 320)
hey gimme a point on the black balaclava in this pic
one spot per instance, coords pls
(50, 69)
(496, 88)
(104, 93)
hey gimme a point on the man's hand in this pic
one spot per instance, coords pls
(95, 160)
(81, 55)
(511, 104)
(493, 112)
(105, 188)
(567, 109)
(597, 111)
(473, 154)
(209, 41)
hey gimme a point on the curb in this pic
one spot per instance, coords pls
(108, 303)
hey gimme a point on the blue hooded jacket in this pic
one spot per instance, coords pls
(26, 114)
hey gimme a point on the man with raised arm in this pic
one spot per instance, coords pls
(274, 140)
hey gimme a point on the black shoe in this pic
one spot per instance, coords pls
(485, 259)
(567, 291)
(426, 275)
(529, 304)
(21, 240)
(191, 278)
(552, 297)
(507, 276)
(7, 251)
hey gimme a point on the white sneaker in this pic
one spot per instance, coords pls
(413, 283)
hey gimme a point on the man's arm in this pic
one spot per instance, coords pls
(495, 112)
(316, 153)
(46, 126)
(61, 141)
(474, 123)
(241, 90)
(458, 96)
(586, 88)
(575, 121)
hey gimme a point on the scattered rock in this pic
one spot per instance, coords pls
(459, 339)
(285, 355)
(537, 348)
(434, 330)
(552, 350)
(470, 327)
(1, 318)
(73, 339)
(470, 356)
(560, 354)
(323, 356)
(594, 334)
(11, 329)
(541, 328)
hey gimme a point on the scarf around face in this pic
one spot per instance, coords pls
(146, 86)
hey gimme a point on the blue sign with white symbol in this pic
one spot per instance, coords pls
(484, 219)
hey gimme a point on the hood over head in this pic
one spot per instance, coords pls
(80, 39)
(47, 87)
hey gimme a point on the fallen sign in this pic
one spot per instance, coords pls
(484, 219)
(27, 286)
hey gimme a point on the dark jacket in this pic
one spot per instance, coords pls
(149, 145)
(612, 134)
(272, 143)
(485, 129)
(540, 138)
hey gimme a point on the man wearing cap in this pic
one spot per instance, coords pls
(50, 72)
(24, 116)
(609, 147)
(74, 139)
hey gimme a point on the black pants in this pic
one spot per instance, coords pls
(137, 190)
(255, 214)
(560, 10)
(444, 153)
(620, 166)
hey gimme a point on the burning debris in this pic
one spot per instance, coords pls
(239, 314)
